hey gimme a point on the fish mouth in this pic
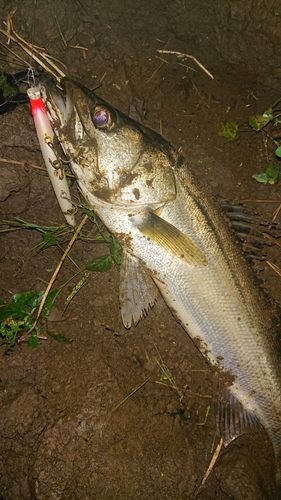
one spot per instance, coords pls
(58, 102)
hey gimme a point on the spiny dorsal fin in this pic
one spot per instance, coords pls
(248, 227)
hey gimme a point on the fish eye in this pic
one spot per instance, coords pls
(103, 118)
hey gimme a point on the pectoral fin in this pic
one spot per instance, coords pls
(172, 239)
(137, 290)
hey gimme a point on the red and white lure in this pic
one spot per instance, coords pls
(45, 136)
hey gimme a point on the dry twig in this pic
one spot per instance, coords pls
(258, 201)
(210, 468)
(24, 164)
(180, 54)
(276, 213)
(274, 267)
(271, 239)
(32, 50)
(28, 166)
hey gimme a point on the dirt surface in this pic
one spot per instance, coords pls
(60, 438)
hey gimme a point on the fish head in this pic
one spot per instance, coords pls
(115, 159)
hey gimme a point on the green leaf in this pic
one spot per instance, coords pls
(87, 210)
(270, 176)
(49, 240)
(262, 178)
(9, 329)
(257, 122)
(33, 342)
(278, 152)
(28, 323)
(35, 301)
(100, 264)
(272, 173)
(24, 297)
(18, 316)
(12, 310)
(59, 337)
(228, 131)
(115, 251)
(49, 303)
(268, 114)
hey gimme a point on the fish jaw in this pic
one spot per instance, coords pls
(137, 174)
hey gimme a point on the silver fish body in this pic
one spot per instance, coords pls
(174, 235)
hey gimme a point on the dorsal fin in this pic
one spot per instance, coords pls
(248, 227)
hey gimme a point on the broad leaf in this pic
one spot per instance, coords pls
(33, 341)
(49, 303)
(100, 264)
(270, 176)
(228, 131)
(257, 122)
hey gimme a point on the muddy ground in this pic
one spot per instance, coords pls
(60, 439)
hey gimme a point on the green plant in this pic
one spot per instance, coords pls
(17, 316)
(269, 176)
(260, 123)
(228, 131)
(167, 378)
(7, 89)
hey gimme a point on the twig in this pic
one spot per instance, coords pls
(26, 335)
(180, 54)
(258, 201)
(77, 47)
(9, 23)
(39, 52)
(25, 47)
(274, 267)
(271, 239)
(23, 164)
(28, 166)
(276, 212)
(48, 56)
(166, 385)
(210, 468)
(16, 56)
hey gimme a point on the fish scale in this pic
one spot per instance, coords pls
(172, 230)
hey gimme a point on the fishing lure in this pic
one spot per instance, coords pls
(53, 163)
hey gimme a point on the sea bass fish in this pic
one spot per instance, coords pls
(175, 236)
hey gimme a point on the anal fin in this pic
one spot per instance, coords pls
(138, 292)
